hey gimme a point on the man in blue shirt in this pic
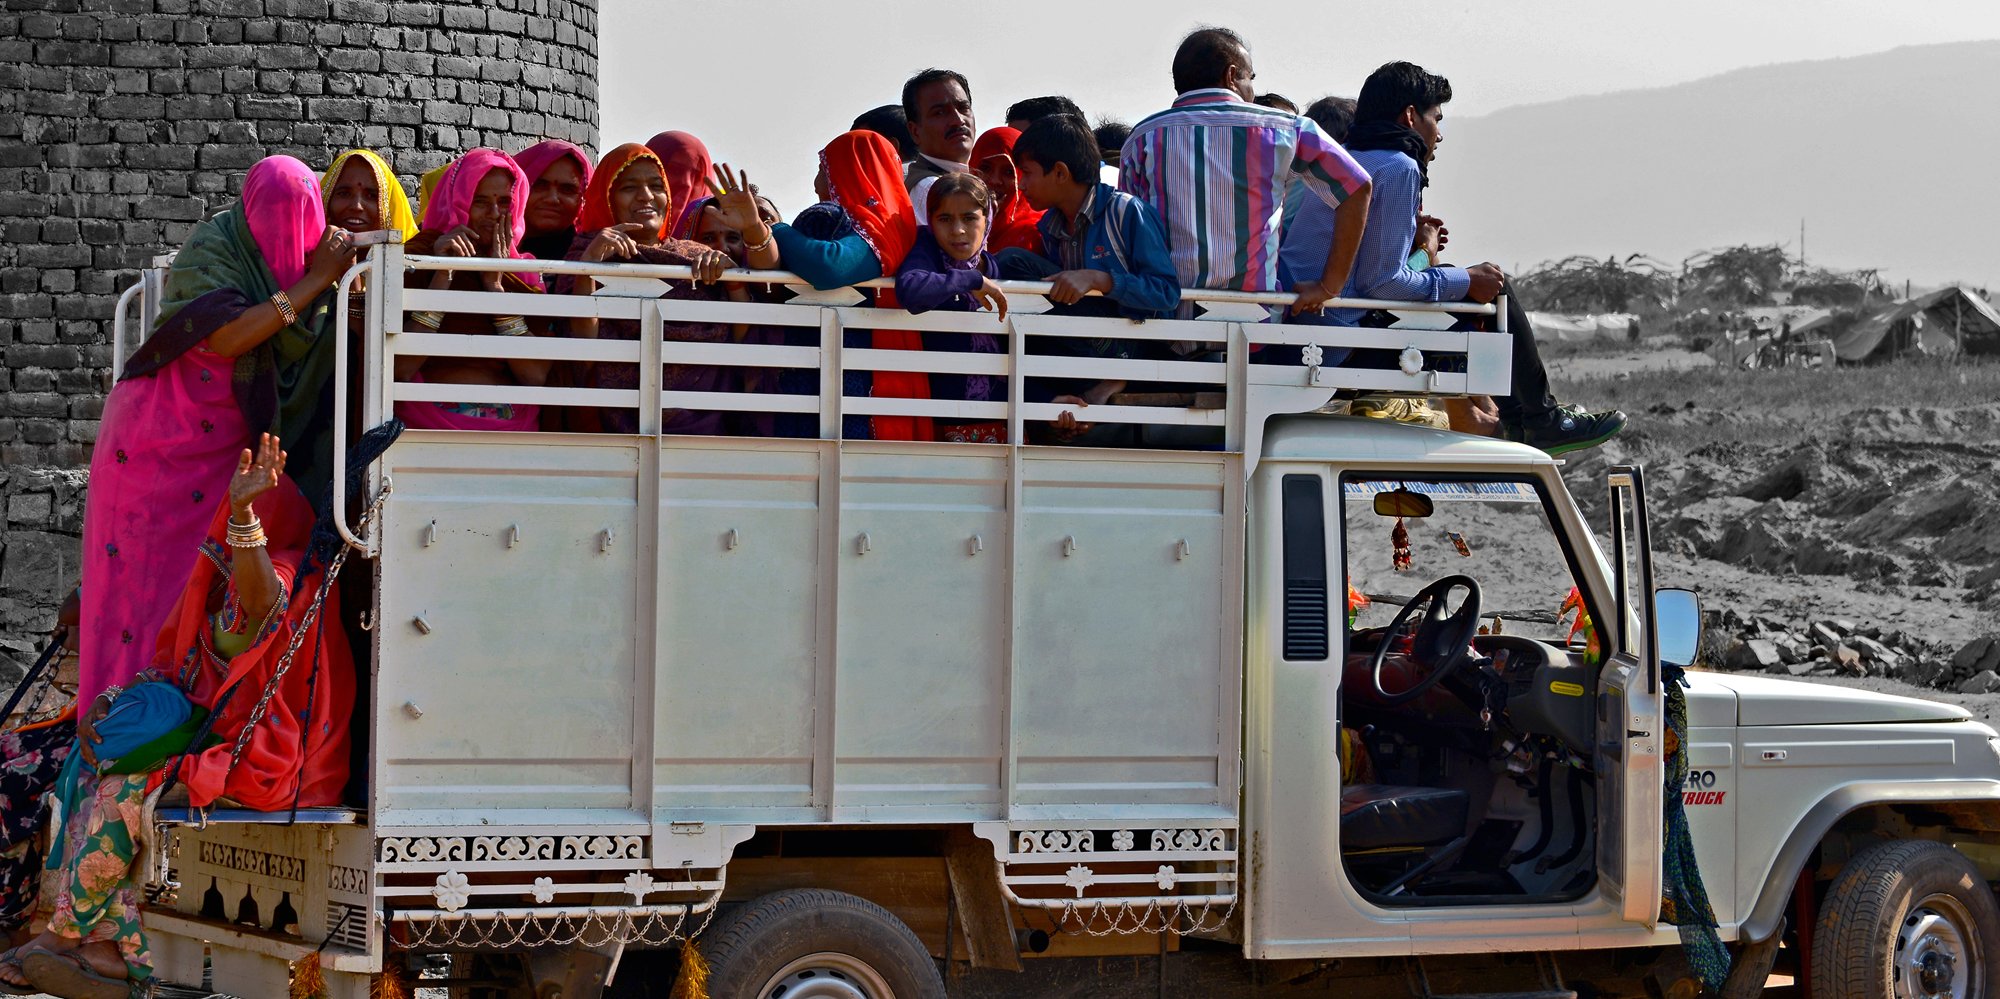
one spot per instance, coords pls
(1397, 128)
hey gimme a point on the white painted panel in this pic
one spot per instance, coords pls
(737, 618)
(921, 685)
(1122, 670)
(520, 695)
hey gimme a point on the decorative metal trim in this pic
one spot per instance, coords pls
(1146, 882)
(612, 849)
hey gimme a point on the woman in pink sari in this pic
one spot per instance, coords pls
(478, 210)
(243, 330)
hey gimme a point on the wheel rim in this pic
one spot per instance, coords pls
(1936, 957)
(827, 975)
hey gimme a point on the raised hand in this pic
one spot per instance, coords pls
(614, 241)
(459, 242)
(735, 204)
(255, 474)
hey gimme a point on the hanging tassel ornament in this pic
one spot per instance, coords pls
(692, 982)
(1399, 547)
(390, 983)
(308, 980)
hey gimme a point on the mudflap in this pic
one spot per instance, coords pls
(252, 899)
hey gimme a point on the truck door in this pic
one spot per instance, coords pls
(1631, 718)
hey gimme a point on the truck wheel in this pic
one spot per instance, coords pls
(1909, 919)
(817, 944)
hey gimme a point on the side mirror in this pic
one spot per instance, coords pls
(1402, 503)
(1677, 615)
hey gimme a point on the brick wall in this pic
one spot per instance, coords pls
(125, 122)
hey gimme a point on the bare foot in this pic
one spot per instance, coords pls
(10, 962)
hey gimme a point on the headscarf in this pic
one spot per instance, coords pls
(282, 204)
(451, 203)
(867, 183)
(596, 212)
(687, 166)
(1013, 221)
(277, 384)
(426, 194)
(394, 206)
(539, 157)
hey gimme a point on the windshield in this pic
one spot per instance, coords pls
(1497, 532)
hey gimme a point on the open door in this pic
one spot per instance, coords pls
(1631, 718)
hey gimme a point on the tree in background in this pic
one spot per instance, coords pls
(1585, 284)
(1738, 277)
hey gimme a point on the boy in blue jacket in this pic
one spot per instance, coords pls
(1094, 237)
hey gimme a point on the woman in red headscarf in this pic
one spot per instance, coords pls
(557, 172)
(685, 162)
(871, 227)
(1013, 220)
(478, 210)
(625, 218)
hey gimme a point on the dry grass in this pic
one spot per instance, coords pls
(1677, 411)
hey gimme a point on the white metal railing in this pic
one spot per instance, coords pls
(1232, 323)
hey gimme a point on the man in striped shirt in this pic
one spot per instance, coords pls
(1215, 167)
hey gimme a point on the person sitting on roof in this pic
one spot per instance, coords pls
(1239, 156)
(1396, 132)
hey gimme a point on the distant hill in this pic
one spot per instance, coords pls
(1890, 158)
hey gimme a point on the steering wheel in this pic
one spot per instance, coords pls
(1443, 641)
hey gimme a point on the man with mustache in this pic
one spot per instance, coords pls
(938, 103)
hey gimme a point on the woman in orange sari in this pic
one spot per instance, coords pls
(248, 646)
(627, 214)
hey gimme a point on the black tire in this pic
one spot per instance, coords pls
(811, 932)
(1905, 920)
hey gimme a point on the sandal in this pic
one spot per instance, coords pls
(12, 958)
(67, 975)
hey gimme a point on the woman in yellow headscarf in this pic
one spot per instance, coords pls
(362, 195)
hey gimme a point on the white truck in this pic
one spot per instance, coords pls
(850, 712)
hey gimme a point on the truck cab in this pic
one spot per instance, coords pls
(1320, 694)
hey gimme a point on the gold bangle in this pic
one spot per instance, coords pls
(283, 303)
(769, 235)
(428, 320)
(510, 325)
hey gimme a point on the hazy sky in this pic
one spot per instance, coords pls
(766, 83)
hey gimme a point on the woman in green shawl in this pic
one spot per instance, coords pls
(243, 346)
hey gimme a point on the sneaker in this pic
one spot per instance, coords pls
(1568, 428)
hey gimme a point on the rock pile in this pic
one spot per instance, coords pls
(1840, 647)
